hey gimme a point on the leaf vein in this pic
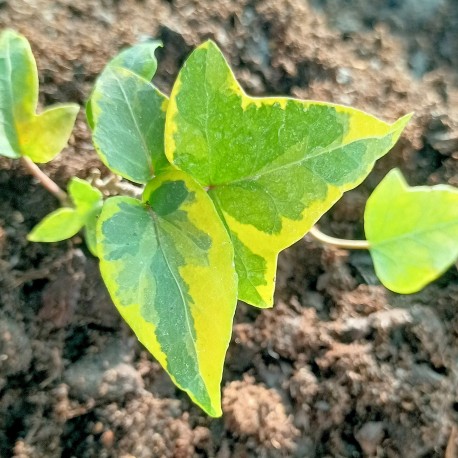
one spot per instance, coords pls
(137, 127)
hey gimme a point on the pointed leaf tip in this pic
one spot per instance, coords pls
(139, 59)
(57, 226)
(168, 265)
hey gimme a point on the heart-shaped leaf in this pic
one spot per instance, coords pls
(412, 232)
(168, 265)
(127, 115)
(273, 166)
(23, 132)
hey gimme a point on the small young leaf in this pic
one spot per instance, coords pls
(57, 226)
(66, 222)
(23, 132)
(88, 202)
(84, 196)
(168, 265)
(273, 166)
(412, 232)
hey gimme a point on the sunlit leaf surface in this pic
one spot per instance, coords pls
(273, 166)
(23, 132)
(412, 232)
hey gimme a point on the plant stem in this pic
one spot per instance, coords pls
(61, 195)
(340, 243)
(44, 180)
(113, 185)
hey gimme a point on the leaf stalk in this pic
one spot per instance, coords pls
(340, 243)
(44, 180)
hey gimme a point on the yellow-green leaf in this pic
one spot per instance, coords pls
(84, 196)
(90, 229)
(412, 232)
(58, 225)
(88, 203)
(273, 166)
(22, 132)
(168, 265)
(66, 222)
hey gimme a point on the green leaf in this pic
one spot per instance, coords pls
(23, 132)
(84, 196)
(58, 225)
(88, 202)
(90, 229)
(66, 222)
(273, 166)
(127, 115)
(168, 265)
(139, 59)
(412, 232)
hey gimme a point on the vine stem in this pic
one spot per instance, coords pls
(44, 180)
(340, 243)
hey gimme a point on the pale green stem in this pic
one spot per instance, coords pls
(44, 180)
(340, 243)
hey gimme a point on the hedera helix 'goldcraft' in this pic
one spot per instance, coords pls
(228, 182)
(231, 180)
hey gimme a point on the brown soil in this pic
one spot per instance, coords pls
(339, 367)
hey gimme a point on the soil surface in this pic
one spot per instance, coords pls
(340, 367)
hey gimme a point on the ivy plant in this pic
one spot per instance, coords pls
(230, 180)
(226, 181)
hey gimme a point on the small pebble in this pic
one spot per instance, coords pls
(108, 438)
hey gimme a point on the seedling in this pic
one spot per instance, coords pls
(228, 181)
